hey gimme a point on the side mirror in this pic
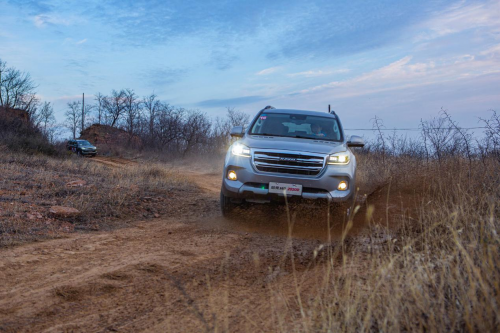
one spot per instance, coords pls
(237, 131)
(356, 141)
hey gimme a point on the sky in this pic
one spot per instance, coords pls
(398, 60)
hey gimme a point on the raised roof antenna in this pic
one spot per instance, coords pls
(330, 110)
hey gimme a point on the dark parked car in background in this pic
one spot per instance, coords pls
(82, 148)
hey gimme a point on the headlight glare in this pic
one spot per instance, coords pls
(339, 158)
(231, 175)
(240, 150)
(342, 186)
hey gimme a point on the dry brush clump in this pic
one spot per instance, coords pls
(435, 269)
(31, 184)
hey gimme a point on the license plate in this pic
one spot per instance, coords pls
(289, 189)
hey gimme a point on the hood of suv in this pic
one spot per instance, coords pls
(293, 144)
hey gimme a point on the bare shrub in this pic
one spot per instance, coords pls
(31, 184)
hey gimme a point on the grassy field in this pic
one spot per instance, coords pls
(106, 195)
(432, 265)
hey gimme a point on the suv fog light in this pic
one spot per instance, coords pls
(231, 175)
(342, 186)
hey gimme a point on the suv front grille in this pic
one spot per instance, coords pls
(295, 164)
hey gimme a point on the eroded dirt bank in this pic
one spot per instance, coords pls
(186, 272)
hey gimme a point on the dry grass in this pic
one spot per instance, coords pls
(434, 266)
(429, 260)
(31, 184)
(431, 264)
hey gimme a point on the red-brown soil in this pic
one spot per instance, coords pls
(190, 271)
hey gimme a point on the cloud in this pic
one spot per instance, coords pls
(81, 41)
(461, 17)
(222, 60)
(160, 77)
(268, 71)
(404, 73)
(43, 20)
(319, 73)
(213, 103)
(333, 29)
(492, 51)
(67, 98)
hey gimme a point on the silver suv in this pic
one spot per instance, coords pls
(293, 153)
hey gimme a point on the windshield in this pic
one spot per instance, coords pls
(84, 143)
(297, 126)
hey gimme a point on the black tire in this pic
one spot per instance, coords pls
(341, 210)
(226, 206)
(79, 153)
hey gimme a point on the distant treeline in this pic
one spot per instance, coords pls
(440, 138)
(159, 125)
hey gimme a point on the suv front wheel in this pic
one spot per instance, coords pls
(226, 206)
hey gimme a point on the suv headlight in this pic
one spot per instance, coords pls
(339, 158)
(240, 150)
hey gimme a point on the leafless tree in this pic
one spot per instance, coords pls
(73, 116)
(47, 119)
(221, 128)
(491, 142)
(439, 135)
(170, 123)
(132, 112)
(152, 108)
(114, 107)
(378, 125)
(17, 89)
(196, 130)
(464, 138)
(236, 117)
(99, 107)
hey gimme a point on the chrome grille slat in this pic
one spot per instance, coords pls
(288, 167)
(288, 163)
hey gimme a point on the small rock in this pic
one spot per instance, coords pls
(76, 183)
(63, 211)
(157, 215)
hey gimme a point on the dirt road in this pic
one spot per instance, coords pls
(196, 272)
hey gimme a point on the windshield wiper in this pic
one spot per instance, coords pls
(267, 134)
(319, 138)
(302, 137)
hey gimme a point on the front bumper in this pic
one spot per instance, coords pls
(88, 152)
(254, 185)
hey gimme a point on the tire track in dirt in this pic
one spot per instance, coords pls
(115, 162)
(183, 273)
